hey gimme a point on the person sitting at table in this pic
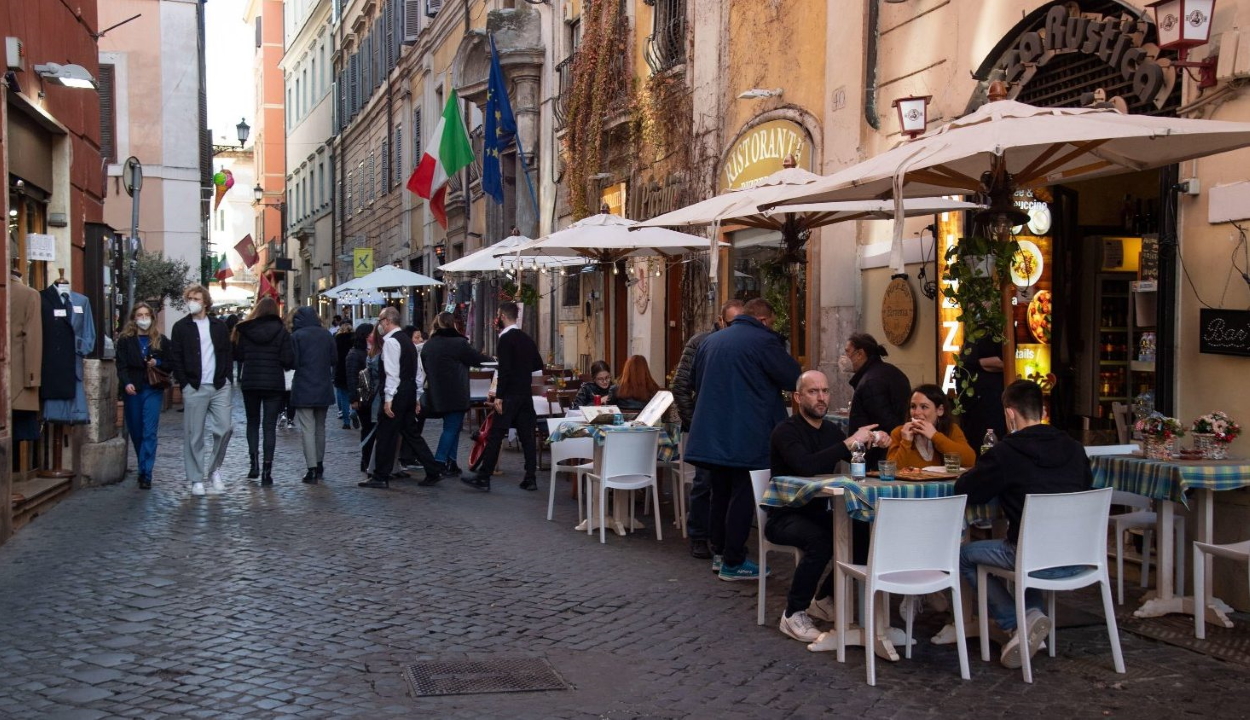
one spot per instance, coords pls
(1032, 459)
(931, 432)
(636, 387)
(597, 390)
(804, 445)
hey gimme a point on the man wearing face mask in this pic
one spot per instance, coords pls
(200, 356)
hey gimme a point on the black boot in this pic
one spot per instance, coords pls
(374, 482)
(310, 477)
(321, 470)
(253, 471)
(477, 481)
(266, 475)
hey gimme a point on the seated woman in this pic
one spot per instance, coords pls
(636, 387)
(600, 386)
(930, 433)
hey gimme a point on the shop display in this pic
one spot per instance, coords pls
(25, 358)
(69, 336)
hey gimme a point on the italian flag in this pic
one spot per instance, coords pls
(222, 271)
(447, 153)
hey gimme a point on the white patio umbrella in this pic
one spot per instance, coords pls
(607, 238)
(487, 260)
(387, 276)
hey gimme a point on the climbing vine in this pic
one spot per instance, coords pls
(663, 124)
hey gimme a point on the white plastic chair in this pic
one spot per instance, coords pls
(1233, 551)
(681, 476)
(1056, 530)
(580, 448)
(759, 484)
(628, 464)
(914, 551)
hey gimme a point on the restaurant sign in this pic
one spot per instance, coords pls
(1224, 332)
(1118, 41)
(760, 151)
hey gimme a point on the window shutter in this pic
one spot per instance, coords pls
(348, 187)
(258, 33)
(399, 154)
(388, 15)
(432, 7)
(353, 71)
(108, 114)
(379, 52)
(366, 70)
(385, 178)
(412, 21)
(372, 180)
(416, 137)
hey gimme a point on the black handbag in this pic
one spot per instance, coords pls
(366, 386)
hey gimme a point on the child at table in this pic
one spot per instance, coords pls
(930, 433)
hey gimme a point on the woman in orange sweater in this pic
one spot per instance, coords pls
(930, 434)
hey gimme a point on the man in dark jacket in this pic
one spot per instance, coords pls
(518, 361)
(882, 392)
(200, 355)
(683, 396)
(1032, 459)
(447, 357)
(312, 388)
(739, 376)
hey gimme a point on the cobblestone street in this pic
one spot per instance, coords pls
(309, 601)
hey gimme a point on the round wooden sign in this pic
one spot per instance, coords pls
(898, 311)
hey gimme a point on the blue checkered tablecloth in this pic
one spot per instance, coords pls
(861, 495)
(1169, 479)
(668, 442)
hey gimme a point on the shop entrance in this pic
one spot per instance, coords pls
(759, 268)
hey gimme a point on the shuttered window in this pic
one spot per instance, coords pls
(384, 178)
(108, 113)
(399, 154)
(416, 137)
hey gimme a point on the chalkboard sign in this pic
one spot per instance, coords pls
(1148, 269)
(1224, 332)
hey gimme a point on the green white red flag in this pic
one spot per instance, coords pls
(447, 153)
(222, 270)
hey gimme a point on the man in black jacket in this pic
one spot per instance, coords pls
(518, 361)
(882, 392)
(697, 520)
(200, 358)
(806, 445)
(1032, 459)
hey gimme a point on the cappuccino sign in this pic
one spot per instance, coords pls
(1117, 41)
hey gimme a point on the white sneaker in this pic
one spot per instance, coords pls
(823, 609)
(218, 486)
(1038, 627)
(799, 627)
(197, 489)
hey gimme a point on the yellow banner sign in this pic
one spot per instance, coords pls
(760, 151)
(362, 262)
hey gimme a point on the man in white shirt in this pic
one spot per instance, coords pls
(201, 357)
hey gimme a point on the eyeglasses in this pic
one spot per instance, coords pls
(603, 378)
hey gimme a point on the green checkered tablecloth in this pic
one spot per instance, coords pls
(1169, 479)
(861, 495)
(668, 442)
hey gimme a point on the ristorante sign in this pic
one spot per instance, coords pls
(1117, 41)
(760, 152)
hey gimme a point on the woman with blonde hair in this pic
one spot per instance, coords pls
(140, 346)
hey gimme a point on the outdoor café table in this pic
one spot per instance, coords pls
(668, 451)
(858, 498)
(1169, 481)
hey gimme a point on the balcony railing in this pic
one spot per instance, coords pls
(666, 47)
(564, 75)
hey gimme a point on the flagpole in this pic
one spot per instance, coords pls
(525, 166)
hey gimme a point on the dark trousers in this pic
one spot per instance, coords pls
(368, 437)
(261, 408)
(517, 413)
(409, 452)
(732, 509)
(698, 516)
(813, 535)
(394, 430)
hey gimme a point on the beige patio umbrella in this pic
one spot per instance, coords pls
(487, 258)
(607, 238)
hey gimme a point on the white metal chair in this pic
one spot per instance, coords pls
(759, 484)
(577, 449)
(1056, 530)
(628, 464)
(1239, 551)
(914, 551)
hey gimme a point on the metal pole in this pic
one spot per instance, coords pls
(135, 180)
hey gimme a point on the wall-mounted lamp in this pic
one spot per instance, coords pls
(756, 93)
(1185, 24)
(913, 114)
(244, 130)
(74, 76)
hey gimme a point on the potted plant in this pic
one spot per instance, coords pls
(977, 268)
(1159, 430)
(1212, 434)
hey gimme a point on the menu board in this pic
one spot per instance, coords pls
(1032, 302)
(950, 227)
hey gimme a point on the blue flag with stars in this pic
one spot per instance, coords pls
(500, 127)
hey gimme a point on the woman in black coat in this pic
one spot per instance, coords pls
(312, 389)
(357, 360)
(447, 357)
(141, 346)
(262, 346)
(343, 340)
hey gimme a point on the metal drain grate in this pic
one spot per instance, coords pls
(473, 677)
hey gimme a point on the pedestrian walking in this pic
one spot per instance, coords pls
(200, 357)
(140, 347)
(408, 450)
(363, 356)
(518, 361)
(343, 341)
(262, 345)
(447, 357)
(312, 388)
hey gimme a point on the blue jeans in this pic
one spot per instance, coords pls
(142, 413)
(344, 400)
(1002, 554)
(449, 441)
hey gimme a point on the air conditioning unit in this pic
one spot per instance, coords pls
(14, 54)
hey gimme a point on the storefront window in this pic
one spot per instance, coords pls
(760, 269)
(27, 215)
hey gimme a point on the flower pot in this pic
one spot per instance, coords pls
(1203, 443)
(1158, 448)
(1219, 450)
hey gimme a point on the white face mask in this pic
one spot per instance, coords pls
(194, 308)
(144, 323)
(845, 365)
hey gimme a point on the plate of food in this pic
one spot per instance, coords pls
(1026, 266)
(1039, 316)
(1039, 220)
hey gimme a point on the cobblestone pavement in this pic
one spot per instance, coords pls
(308, 601)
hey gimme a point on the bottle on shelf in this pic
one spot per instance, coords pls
(989, 441)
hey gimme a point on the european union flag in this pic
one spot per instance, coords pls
(500, 127)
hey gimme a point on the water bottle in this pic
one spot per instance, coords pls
(989, 441)
(859, 465)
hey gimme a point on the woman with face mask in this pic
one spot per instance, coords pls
(140, 346)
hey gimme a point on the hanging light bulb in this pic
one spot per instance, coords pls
(657, 271)
(615, 270)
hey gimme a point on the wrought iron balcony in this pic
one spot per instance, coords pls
(666, 47)
(564, 75)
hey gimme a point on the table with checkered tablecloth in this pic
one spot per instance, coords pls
(668, 443)
(861, 496)
(1171, 482)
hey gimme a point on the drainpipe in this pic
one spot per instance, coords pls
(870, 65)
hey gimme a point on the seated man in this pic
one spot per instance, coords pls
(1032, 459)
(805, 445)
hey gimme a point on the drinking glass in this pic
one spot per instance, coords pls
(952, 462)
(886, 469)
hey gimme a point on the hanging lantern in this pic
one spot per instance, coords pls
(913, 114)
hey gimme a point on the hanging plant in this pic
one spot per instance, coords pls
(977, 268)
(526, 294)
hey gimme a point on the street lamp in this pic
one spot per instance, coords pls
(913, 114)
(1185, 24)
(74, 76)
(244, 129)
(258, 193)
